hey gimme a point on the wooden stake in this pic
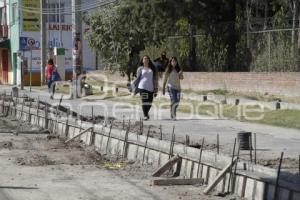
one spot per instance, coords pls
(76, 136)
(185, 181)
(167, 166)
(211, 186)
(200, 157)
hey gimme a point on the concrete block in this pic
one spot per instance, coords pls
(204, 173)
(270, 192)
(211, 175)
(183, 171)
(250, 185)
(153, 157)
(260, 190)
(189, 172)
(164, 158)
(131, 151)
(283, 194)
(296, 196)
(97, 141)
(196, 169)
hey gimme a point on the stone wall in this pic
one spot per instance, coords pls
(287, 84)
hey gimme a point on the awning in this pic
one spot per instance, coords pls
(4, 44)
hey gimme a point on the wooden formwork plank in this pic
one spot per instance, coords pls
(167, 166)
(188, 181)
(76, 136)
(211, 186)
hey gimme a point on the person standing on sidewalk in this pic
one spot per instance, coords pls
(146, 84)
(161, 63)
(172, 78)
(52, 76)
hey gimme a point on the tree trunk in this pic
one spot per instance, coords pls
(232, 38)
(294, 10)
(298, 45)
(266, 4)
(192, 48)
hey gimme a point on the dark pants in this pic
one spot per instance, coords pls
(51, 87)
(175, 99)
(147, 99)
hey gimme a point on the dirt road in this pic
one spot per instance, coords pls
(34, 167)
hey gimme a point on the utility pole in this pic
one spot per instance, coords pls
(77, 46)
(43, 41)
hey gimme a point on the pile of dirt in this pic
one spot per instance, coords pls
(287, 163)
(42, 150)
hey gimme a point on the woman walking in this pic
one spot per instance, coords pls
(146, 84)
(172, 78)
(52, 76)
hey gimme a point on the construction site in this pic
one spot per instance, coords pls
(50, 151)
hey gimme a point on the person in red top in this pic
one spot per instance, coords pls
(48, 74)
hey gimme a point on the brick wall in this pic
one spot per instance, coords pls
(287, 84)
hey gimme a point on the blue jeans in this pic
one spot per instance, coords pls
(51, 90)
(175, 99)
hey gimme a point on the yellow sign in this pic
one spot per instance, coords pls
(31, 15)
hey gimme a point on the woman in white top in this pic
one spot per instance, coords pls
(146, 84)
(172, 78)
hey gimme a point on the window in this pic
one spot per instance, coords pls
(58, 10)
(14, 12)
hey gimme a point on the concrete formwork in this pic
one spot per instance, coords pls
(251, 181)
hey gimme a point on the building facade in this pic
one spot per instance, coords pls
(24, 32)
(4, 45)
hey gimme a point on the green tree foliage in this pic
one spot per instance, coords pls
(210, 35)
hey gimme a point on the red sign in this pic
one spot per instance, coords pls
(57, 27)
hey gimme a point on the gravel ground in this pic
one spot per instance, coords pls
(36, 166)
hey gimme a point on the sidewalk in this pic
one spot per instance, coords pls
(271, 141)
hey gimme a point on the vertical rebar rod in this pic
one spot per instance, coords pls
(160, 132)
(146, 143)
(218, 144)
(230, 170)
(278, 176)
(255, 148)
(200, 157)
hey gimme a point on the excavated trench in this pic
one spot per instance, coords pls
(249, 180)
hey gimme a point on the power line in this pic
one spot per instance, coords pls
(68, 9)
